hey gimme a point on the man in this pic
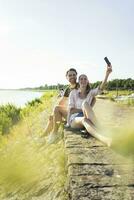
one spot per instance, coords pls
(60, 111)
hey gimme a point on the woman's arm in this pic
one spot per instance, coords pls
(109, 70)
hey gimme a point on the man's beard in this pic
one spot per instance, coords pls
(73, 81)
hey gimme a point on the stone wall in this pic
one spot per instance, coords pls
(95, 171)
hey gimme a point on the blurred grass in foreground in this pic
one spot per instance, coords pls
(117, 123)
(29, 168)
(123, 138)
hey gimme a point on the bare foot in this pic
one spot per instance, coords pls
(90, 127)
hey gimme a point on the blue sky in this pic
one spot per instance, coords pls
(40, 40)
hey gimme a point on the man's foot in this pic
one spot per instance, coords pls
(52, 138)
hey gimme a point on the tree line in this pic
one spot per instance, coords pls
(122, 84)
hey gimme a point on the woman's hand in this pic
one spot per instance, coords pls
(108, 71)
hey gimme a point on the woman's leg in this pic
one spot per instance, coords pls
(92, 130)
(89, 113)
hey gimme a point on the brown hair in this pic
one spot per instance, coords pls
(71, 69)
(88, 88)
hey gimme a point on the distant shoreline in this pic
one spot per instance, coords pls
(36, 90)
(19, 97)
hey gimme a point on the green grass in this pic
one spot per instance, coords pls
(112, 94)
(9, 116)
(30, 168)
(120, 92)
(123, 139)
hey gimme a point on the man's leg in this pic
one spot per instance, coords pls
(55, 119)
(59, 113)
(49, 126)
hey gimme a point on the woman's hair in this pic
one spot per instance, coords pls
(71, 69)
(88, 88)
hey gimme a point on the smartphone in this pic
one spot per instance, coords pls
(107, 61)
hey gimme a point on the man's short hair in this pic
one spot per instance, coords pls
(71, 69)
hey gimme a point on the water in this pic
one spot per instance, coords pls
(18, 97)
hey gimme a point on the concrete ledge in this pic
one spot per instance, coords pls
(95, 171)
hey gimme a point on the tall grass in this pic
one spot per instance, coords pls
(117, 123)
(29, 168)
(9, 116)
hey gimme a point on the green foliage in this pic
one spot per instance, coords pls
(9, 115)
(38, 105)
(27, 163)
(128, 102)
(118, 93)
(5, 123)
(96, 84)
(122, 84)
(114, 93)
(34, 102)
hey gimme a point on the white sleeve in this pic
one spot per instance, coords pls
(71, 103)
(96, 91)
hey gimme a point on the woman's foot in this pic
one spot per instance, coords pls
(107, 141)
(95, 132)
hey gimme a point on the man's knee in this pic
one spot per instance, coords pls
(59, 110)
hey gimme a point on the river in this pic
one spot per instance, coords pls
(18, 97)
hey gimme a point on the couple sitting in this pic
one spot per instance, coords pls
(76, 106)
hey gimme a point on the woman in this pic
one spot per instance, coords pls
(80, 111)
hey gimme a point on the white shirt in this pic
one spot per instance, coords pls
(76, 102)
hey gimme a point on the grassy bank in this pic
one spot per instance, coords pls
(112, 94)
(11, 114)
(29, 168)
(118, 93)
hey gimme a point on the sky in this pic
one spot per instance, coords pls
(41, 39)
